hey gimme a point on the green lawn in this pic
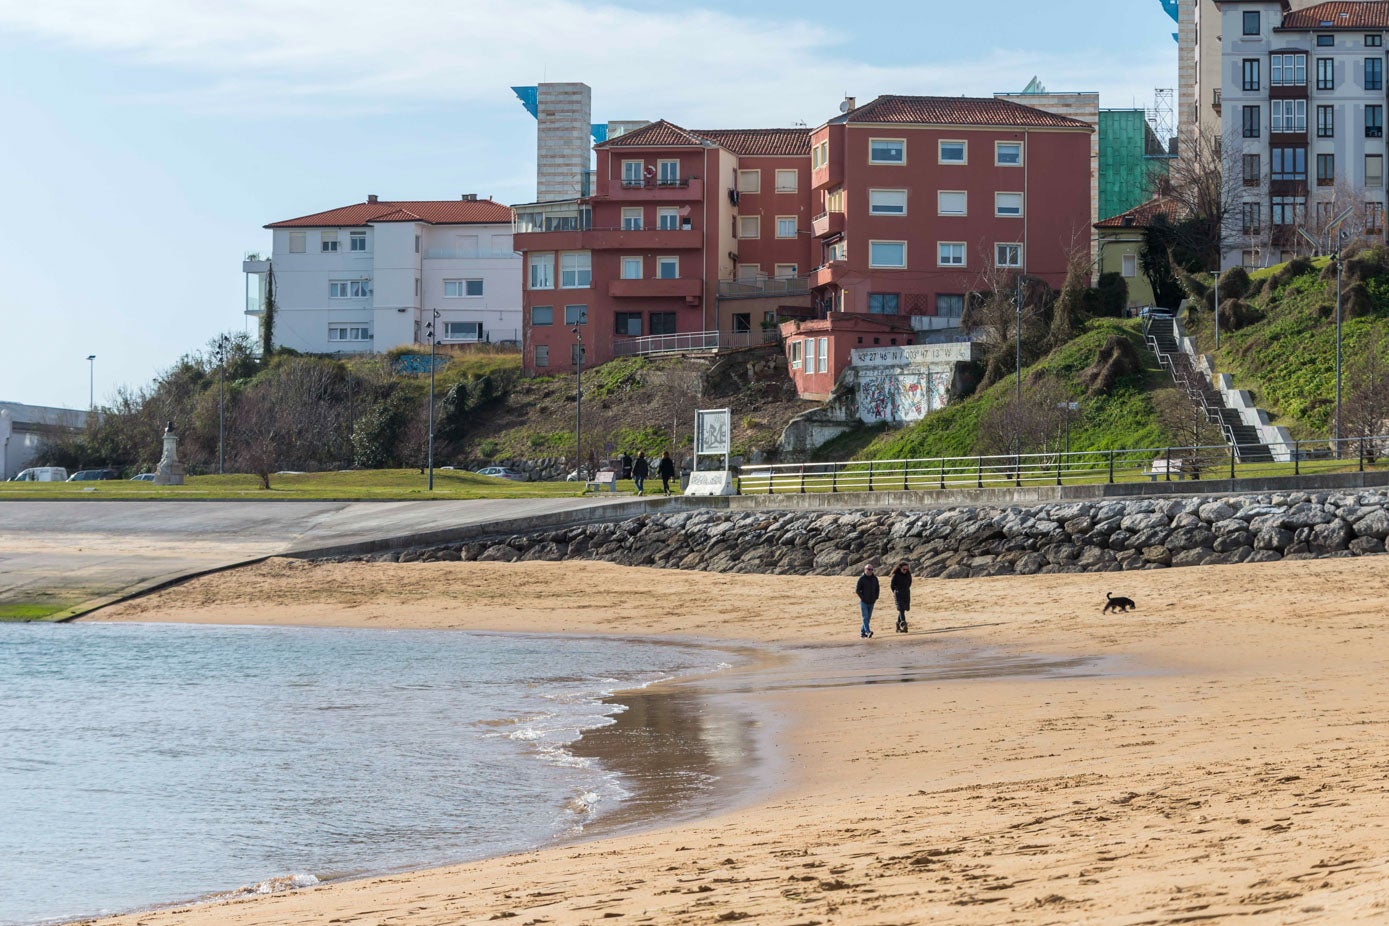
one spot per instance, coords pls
(385, 485)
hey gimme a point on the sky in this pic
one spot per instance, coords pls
(144, 143)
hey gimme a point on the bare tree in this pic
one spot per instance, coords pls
(1034, 423)
(1199, 438)
(258, 425)
(1068, 312)
(1207, 183)
(1365, 412)
(994, 321)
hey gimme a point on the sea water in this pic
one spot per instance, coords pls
(143, 764)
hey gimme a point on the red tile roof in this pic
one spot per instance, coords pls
(433, 212)
(752, 142)
(1366, 14)
(956, 110)
(1142, 215)
(659, 133)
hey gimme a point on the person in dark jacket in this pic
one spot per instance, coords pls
(666, 470)
(901, 585)
(867, 591)
(626, 466)
(640, 470)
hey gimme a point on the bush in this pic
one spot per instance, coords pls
(1234, 284)
(1113, 292)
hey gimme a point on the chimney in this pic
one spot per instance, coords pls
(848, 105)
(371, 197)
(469, 197)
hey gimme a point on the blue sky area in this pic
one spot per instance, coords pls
(145, 142)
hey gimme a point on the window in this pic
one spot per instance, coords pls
(1251, 219)
(628, 323)
(786, 226)
(749, 273)
(1251, 72)
(1326, 170)
(951, 254)
(1374, 170)
(749, 181)
(1251, 22)
(950, 305)
(577, 354)
(742, 322)
(349, 333)
(1326, 41)
(1284, 71)
(662, 323)
(542, 355)
(1374, 121)
(542, 316)
(887, 151)
(1289, 164)
(887, 254)
(951, 202)
(632, 173)
(1006, 204)
(328, 242)
(1251, 170)
(1326, 74)
(1008, 255)
(417, 244)
(575, 270)
(1128, 265)
(631, 268)
(667, 268)
(337, 289)
(883, 303)
(417, 287)
(788, 181)
(1008, 153)
(749, 226)
(1250, 116)
(1289, 116)
(954, 152)
(1374, 41)
(296, 242)
(668, 218)
(668, 173)
(631, 218)
(457, 289)
(462, 331)
(785, 271)
(1374, 73)
(542, 271)
(1289, 210)
(1374, 218)
(796, 353)
(348, 289)
(576, 315)
(1326, 122)
(834, 200)
(820, 156)
(887, 202)
(837, 250)
(824, 363)
(357, 241)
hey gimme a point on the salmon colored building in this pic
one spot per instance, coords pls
(818, 350)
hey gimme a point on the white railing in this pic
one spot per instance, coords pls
(765, 286)
(467, 254)
(666, 343)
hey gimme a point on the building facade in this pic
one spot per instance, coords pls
(1133, 161)
(1120, 239)
(1303, 100)
(370, 276)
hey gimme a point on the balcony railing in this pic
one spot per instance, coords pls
(667, 344)
(652, 183)
(465, 254)
(766, 286)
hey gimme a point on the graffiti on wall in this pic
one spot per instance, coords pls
(902, 395)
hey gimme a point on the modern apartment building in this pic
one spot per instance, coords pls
(1302, 105)
(923, 200)
(369, 276)
(696, 234)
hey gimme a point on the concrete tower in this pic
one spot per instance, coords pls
(563, 142)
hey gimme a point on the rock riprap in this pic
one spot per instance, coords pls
(964, 542)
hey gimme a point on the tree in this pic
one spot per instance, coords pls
(1199, 438)
(1034, 423)
(1113, 294)
(993, 319)
(1207, 184)
(1069, 311)
(1365, 411)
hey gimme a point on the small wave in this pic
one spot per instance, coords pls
(276, 885)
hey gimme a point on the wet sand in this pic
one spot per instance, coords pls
(1017, 758)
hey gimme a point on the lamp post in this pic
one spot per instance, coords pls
(222, 344)
(579, 400)
(91, 382)
(1336, 259)
(1017, 335)
(433, 339)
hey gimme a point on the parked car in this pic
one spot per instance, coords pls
(1155, 311)
(501, 472)
(93, 475)
(42, 474)
(143, 477)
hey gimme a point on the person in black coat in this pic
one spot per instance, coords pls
(901, 585)
(640, 470)
(867, 591)
(666, 470)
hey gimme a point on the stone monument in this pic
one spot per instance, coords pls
(170, 470)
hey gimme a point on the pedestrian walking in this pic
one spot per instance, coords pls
(901, 585)
(867, 591)
(640, 470)
(626, 472)
(666, 470)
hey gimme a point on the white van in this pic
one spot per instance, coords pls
(42, 474)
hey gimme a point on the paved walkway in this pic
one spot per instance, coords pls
(80, 554)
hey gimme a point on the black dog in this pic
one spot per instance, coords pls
(1116, 604)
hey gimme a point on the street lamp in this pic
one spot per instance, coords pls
(222, 343)
(579, 400)
(91, 382)
(1336, 259)
(433, 339)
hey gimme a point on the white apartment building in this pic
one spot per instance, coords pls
(369, 276)
(1302, 114)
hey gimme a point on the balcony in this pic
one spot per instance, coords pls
(685, 287)
(765, 286)
(685, 189)
(830, 272)
(610, 239)
(1215, 99)
(466, 254)
(826, 224)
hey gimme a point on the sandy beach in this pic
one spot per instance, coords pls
(1221, 752)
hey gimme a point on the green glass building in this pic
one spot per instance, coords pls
(1130, 156)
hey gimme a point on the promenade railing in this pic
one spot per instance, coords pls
(1145, 464)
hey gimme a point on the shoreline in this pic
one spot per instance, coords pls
(1234, 765)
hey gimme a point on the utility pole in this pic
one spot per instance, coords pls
(222, 404)
(579, 401)
(433, 339)
(1017, 336)
(91, 382)
(1341, 237)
